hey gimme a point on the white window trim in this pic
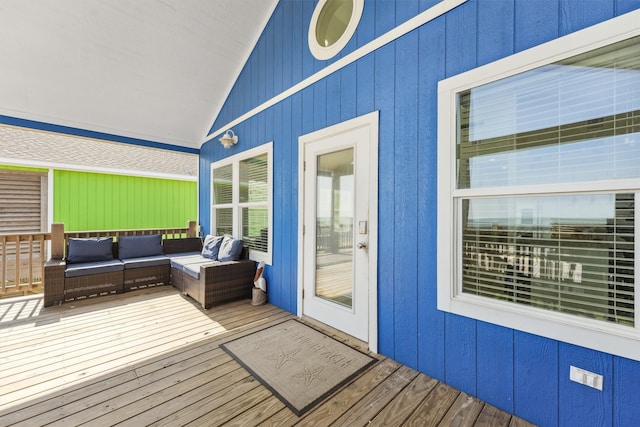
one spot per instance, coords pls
(236, 205)
(615, 339)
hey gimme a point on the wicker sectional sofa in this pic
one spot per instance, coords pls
(100, 266)
(220, 272)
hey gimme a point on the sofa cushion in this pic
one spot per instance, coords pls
(211, 247)
(93, 249)
(139, 246)
(230, 249)
(147, 261)
(193, 269)
(180, 261)
(89, 268)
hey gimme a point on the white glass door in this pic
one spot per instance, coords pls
(336, 264)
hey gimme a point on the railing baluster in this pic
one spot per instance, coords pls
(16, 283)
(30, 283)
(3, 267)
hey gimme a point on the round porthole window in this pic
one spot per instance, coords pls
(333, 23)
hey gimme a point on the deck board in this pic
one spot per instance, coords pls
(153, 357)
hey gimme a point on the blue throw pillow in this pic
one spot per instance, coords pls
(89, 250)
(230, 249)
(211, 246)
(139, 246)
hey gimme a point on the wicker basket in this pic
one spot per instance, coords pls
(259, 297)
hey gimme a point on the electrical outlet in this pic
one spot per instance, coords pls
(587, 378)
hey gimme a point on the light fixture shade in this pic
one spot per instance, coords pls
(228, 139)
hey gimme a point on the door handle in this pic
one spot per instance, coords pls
(362, 245)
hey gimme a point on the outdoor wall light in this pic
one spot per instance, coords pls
(228, 139)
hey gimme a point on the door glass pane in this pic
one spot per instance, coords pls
(334, 227)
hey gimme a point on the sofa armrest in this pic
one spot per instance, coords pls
(54, 281)
(227, 281)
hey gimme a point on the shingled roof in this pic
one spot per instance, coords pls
(18, 145)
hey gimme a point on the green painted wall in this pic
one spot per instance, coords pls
(92, 201)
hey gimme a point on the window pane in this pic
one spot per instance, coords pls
(255, 228)
(253, 179)
(223, 221)
(222, 185)
(572, 253)
(574, 120)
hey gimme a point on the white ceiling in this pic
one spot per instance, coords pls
(157, 70)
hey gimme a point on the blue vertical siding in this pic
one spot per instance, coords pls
(576, 15)
(430, 321)
(537, 22)
(535, 379)
(580, 405)
(495, 30)
(495, 354)
(625, 389)
(518, 372)
(384, 71)
(405, 201)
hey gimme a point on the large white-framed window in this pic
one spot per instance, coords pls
(241, 199)
(538, 189)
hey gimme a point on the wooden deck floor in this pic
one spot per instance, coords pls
(152, 357)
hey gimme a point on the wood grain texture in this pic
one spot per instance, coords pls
(460, 359)
(405, 202)
(587, 406)
(431, 357)
(288, 228)
(153, 357)
(624, 6)
(495, 354)
(490, 416)
(348, 95)
(333, 98)
(464, 411)
(405, 403)
(575, 15)
(625, 382)
(384, 101)
(434, 407)
(495, 30)
(366, 409)
(459, 22)
(535, 367)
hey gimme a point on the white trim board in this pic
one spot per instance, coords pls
(417, 21)
(80, 168)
